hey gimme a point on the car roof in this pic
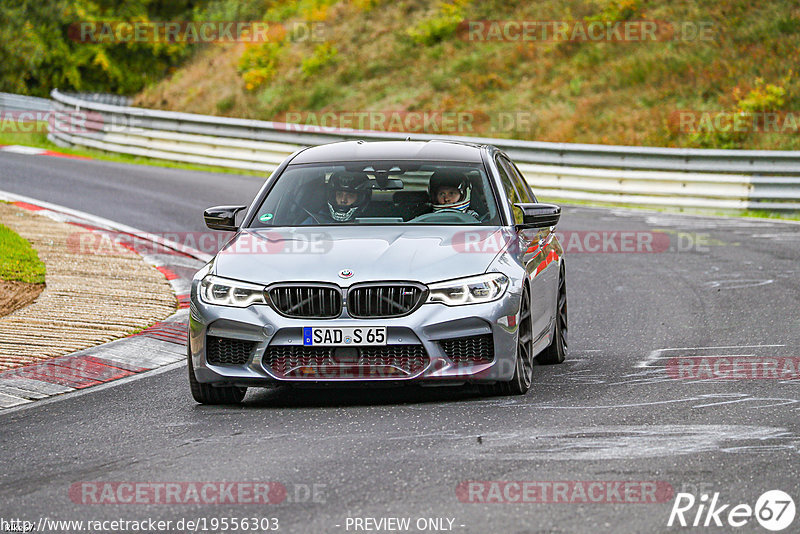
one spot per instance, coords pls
(391, 150)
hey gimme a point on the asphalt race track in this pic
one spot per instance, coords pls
(630, 405)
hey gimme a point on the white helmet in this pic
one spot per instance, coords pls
(450, 178)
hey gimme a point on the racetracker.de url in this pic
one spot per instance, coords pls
(199, 524)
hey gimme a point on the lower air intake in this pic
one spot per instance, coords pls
(472, 350)
(345, 362)
(227, 351)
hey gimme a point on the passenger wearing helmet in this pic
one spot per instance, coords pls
(348, 194)
(450, 190)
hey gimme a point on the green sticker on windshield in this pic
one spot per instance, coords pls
(266, 217)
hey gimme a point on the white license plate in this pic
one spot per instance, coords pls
(344, 337)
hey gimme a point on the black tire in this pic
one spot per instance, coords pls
(556, 352)
(207, 394)
(520, 383)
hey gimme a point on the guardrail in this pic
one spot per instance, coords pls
(722, 179)
(12, 102)
(103, 98)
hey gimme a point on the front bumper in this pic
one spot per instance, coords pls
(426, 328)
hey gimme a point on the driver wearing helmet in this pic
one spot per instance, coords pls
(348, 194)
(450, 190)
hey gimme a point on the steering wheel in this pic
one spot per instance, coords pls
(309, 213)
(445, 215)
(305, 210)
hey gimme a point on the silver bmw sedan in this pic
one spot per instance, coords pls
(394, 261)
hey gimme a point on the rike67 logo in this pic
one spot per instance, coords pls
(774, 510)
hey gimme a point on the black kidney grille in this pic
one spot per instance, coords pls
(307, 301)
(470, 350)
(282, 359)
(383, 300)
(227, 351)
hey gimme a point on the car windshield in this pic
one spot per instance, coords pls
(379, 192)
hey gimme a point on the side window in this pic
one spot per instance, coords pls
(511, 191)
(525, 193)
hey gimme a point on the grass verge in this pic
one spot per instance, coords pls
(19, 261)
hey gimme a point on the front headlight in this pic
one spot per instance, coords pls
(472, 290)
(224, 292)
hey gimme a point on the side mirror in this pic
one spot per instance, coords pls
(539, 215)
(222, 217)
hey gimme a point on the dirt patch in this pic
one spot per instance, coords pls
(16, 295)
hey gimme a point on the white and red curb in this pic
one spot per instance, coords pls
(34, 151)
(159, 345)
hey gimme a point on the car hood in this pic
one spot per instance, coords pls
(420, 253)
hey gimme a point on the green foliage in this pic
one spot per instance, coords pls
(709, 135)
(230, 10)
(437, 28)
(764, 98)
(604, 92)
(226, 104)
(323, 94)
(42, 45)
(324, 55)
(616, 10)
(43, 48)
(365, 5)
(575, 85)
(788, 24)
(308, 10)
(259, 63)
